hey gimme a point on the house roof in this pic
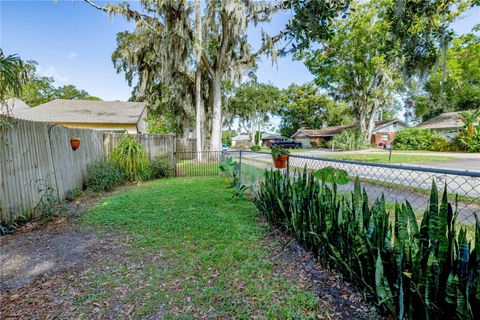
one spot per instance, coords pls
(12, 106)
(333, 130)
(272, 136)
(448, 120)
(84, 111)
(241, 137)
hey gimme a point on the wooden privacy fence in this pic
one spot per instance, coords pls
(185, 148)
(155, 144)
(35, 156)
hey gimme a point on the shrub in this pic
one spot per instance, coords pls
(103, 176)
(411, 270)
(421, 139)
(161, 167)
(229, 169)
(349, 140)
(315, 144)
(73, 194)
(132, 157)
(465, 142)
(255, 148)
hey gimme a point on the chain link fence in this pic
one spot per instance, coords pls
(398, 183)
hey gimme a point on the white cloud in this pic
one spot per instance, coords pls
(51, 71)
(72, 55)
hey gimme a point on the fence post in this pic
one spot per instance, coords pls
(240, 170)
(288, 167)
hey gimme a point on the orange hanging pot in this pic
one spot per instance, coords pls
(75, 143)
(280, 162)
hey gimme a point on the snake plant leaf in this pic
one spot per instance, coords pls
(433, 210)
(384, 293)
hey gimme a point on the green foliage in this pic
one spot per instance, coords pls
(252, 105)
(39, 89)
(161, 167)
(159, 124)
(278, 151)
(230, 170)
(412, 270)
(12, 76)
(332, 175)
(349, 140)
(227, 136)
(70, 92)
(73, 194)
(46, 206)
(303, 106)
(469, 143)
(132, 157)
(422, 139)
(458, 88)
(355, 63)
(104, 175)
(256, 148)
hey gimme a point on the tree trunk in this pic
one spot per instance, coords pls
(361, 124)
(199, 111)
(216, 134)
(371, 121)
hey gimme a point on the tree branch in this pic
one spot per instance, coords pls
(142, 18)
(264, 47)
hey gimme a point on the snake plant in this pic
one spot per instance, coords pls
(410, 268)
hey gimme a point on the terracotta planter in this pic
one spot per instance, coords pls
(75, 143)
(281, 161)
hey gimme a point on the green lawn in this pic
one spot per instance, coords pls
(396, 158)
(213, 261)
(193, 168)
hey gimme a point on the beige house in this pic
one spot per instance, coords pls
(89, 114)
(448, 123)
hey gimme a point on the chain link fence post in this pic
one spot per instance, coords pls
(240, 170)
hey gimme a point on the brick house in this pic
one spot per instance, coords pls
(383, 133)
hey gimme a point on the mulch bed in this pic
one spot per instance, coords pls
(339, 297)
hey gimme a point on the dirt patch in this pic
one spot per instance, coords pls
(56, 272)
(42, 252)
(338, 299)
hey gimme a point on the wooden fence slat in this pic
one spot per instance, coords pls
(34, 154)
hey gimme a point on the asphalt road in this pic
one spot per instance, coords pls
(396, 184)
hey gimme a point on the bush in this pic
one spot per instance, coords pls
(161, 167)
(255, 148)
(349, 140)
(411, 270)
(73, 194)
(422, 139)
(104, 176)
(466, 143)
(132, 157)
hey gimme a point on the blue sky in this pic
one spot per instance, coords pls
(73, 43)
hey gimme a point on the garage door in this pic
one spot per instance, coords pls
(305, 143)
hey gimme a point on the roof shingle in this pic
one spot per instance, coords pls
(448, 120)
(333, 130)
(84, 111)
